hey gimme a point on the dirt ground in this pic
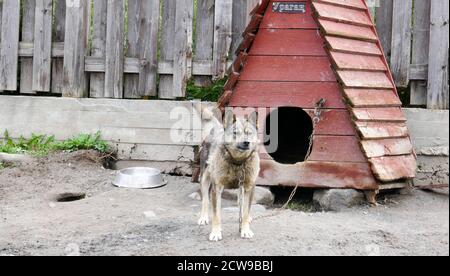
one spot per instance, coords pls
(113, 221)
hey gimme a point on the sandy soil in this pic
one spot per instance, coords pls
(113, 221)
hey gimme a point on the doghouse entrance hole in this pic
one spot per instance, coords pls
(295, 128)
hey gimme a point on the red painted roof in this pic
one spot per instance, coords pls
(332, 51)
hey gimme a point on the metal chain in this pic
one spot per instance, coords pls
(318, 110)
(241, 195)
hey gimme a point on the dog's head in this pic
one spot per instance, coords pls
(241, 135)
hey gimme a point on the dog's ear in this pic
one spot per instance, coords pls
(229, 118)
(253, 118)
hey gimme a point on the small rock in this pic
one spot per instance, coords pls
(195, 196)
(150, 214)
(338, 200)
(52, 205)
(262, 196)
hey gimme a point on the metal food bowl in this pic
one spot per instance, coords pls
(140, 178)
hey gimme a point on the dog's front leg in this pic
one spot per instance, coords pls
(205, 189)
(246, 232)
(216, 198)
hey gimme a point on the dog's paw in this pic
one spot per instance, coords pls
(203, 221)
(247, 234)
(215, 236)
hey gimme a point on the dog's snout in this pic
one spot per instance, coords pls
(244, 145)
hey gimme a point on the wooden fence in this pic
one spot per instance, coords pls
(117, 48)
(415, 37)
(151, 48)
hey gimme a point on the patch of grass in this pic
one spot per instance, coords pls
(210, 93)
(2, 166)
(301, 206)
(41, 145)
(84, 142)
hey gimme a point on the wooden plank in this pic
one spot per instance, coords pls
(241, 17)
(357, 62)
(376, 130)
(394, 168)
(438, 92)
(42, 64)
(360, 79)
(167, 47)
(345, 45)
(26, 64)
(143, 27)
(133, 66)
(288, 42)
(26, 49)
(401, 41)
(58, 37)
(10, 45)
(277, 94)
(387, 147)
(276, 20)
(341, 14)
(420, 50)
(384, 25)
(337, 149)
(380, 114)
(311, 175)
(204, 37)
(282, 68)
(75, 45)
(222, 37)
(347, 30)
(114, 49)
(131, 81)
(97, 80)
(372, 98)
(355, 4)
(182, 47)
(327, 148)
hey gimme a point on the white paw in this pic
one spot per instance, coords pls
(247, 234)
(215, 236)
(203, 221)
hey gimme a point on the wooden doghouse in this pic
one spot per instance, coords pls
(295, 53)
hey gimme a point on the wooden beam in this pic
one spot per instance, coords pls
(438, 92)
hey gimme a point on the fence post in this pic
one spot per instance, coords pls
(42, 53)
(58, 36)
(401, 41)
(241, 17)
(75, 46)
(97, 80)
(420, 52)
(26, 63)
(114, 65)
(222, 37)
(384, 25)
(204, 37)
(438, 92)
(9, 48)
(143, 27)
(182, 62)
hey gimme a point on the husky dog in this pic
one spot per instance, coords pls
(229, 160)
